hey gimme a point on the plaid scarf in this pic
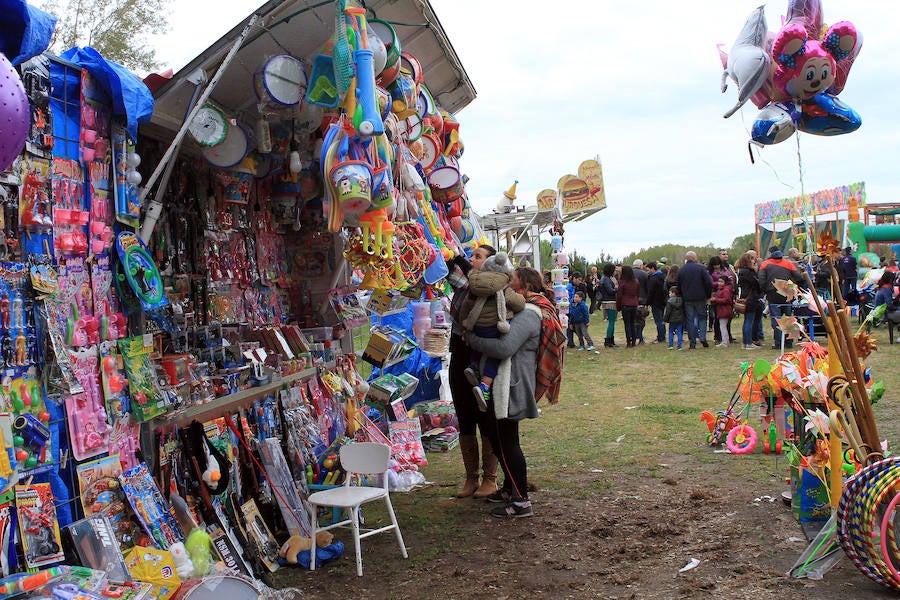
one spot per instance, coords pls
(550, 352)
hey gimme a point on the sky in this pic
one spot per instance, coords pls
(636, 84)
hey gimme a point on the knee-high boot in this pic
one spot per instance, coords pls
(468, 447)
(488, 470)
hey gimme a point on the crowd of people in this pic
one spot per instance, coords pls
(689, 301)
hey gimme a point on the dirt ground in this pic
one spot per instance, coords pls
(627, 543)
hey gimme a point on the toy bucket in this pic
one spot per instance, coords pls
(446, 185)
(352, 181)
(280, 82)
(382, 187)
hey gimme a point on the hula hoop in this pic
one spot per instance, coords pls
(741, 439)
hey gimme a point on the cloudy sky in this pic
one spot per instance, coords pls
(636, 84)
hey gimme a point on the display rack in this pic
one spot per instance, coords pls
(222, 404)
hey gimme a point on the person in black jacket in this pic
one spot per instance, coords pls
(748, 289)
(656, 299)
(777, 267)
(847, 267)
(695, 286)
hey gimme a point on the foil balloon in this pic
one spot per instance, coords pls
(795, 75)
(748, 62)
(15, 114)
(775, 123)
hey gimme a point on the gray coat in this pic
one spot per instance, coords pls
(520, 345)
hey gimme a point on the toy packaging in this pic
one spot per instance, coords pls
(38, 527)
(95, 543)
(259, 536)
(147, 401)
(152, 510)
(156, 567)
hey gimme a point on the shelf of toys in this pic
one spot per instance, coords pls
(168, 405)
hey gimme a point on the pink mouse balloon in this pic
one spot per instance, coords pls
(15, 114)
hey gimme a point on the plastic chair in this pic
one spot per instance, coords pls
(362, 458)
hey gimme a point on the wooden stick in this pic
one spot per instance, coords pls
(862, 399)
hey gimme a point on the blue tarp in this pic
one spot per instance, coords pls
(130, 97)
(25, 31)
(426, 368)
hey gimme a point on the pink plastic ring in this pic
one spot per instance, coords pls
(741, 439)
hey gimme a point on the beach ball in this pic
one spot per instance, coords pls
(15, 114)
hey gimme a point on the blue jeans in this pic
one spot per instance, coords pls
(675, 329)
(759, 321)
(775, 311)
(660, 326)
(751, 322)
(695, 316)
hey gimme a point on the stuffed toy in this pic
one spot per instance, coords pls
(297, 544)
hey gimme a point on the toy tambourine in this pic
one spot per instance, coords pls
(140, 271)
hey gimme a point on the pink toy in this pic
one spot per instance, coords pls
(806, 67)
(15, 114)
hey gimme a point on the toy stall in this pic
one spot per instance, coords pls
(184, 271)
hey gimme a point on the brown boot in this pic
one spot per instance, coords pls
(488, 470)
(468, 447)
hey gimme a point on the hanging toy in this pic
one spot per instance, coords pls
(212, 474)
(140, 271)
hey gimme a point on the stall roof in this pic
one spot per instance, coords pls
(300, 28)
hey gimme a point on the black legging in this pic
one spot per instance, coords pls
(628, 316)
(504, 436)
(464, 402)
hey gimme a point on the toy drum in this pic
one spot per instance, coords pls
(280, 82)
(352, 180)
(217, 587)
(410, 128)
(431, 151)
(446, 185)
(230, 151)
(386, 32)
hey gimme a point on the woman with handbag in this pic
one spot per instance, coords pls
(747, 302)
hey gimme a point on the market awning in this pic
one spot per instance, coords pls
(300, 28)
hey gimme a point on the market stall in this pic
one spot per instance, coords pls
(184, 270)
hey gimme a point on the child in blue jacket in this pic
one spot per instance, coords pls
(580, 317)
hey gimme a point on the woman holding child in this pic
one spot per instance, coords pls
(515, 401)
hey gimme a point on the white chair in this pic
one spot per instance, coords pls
(363, 458)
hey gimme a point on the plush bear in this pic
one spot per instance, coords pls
(806, 67)
(297, 544)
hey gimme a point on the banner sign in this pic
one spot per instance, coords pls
(809, 205)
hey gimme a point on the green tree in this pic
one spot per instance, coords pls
(117, 29)
(741, 244)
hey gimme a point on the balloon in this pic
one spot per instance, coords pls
(807, 13)
(775, 123)
(748, 63)
(826, 115)
(805, 66)
(795, 76)
(15, 114)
